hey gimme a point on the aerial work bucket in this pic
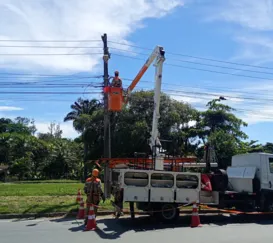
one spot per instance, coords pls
(115, 99)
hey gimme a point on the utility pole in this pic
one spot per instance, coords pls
(107, 130)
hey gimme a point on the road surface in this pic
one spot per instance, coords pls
(142, 230)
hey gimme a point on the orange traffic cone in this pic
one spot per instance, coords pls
(195, 220)
(81, 212)
(79, 196)
(91, 222)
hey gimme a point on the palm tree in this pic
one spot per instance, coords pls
(81, 115)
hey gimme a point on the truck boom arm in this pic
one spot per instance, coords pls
(154, 141)
(156, 52)
(158, 55)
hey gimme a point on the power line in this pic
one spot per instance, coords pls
(151, 99)
(99, 86)
(46, 81)
(93, 84)
(49, 54)
(50, 40)
(176, 93)
(9, 85)
(231, 68)
(49, 87)
(57, 47)
(69, 77)
(198, 69)
(47, 75)
(199, 63)
(38, 92)
(191, 96)
(125, 44)
(196, 57)
(237, 110)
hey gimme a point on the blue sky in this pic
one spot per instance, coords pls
(230, 31)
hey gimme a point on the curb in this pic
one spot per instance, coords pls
(74, 214)
(53, 215)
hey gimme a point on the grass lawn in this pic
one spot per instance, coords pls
(42, 197)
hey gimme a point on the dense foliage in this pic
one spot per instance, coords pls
(49, 156)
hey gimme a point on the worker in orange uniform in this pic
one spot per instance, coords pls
(93, 191)
(116, 82)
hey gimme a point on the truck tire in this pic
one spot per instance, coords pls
(169, 212)
(132, 210)
(266, 203)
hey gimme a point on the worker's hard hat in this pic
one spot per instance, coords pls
(95, 172)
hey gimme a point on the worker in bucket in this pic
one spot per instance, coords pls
(93, 191)
(116, 82)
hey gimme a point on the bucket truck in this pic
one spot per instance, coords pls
(159, 185)
(143, 180)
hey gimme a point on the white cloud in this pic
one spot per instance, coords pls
(253, 20)
(10, 108)
(71, 20)
(66, 127)
(249, 110)
(253, 14)
(190, 100)
(256, 115)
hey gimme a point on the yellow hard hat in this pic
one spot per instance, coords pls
(95, 172)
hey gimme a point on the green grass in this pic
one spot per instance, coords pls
(47, 197)
(45, 181)
(41, 197)
(40, 189)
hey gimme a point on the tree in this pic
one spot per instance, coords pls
(55, 130)
(222, 129)
(65, 160)
(131, 127)
(250, 147)
(268, 148)
(19, 125)
(26, 122)
(81, 115)
(30, 157)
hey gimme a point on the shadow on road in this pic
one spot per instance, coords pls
(110, 228)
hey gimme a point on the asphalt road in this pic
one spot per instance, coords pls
(143, 229)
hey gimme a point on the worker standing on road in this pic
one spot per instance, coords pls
(117, 82)
(93, 191)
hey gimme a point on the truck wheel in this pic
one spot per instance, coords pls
(169, 212)
(266, 203)
(268, 206)
(132, 210)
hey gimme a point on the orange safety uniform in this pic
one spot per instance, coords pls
(117, 82)
(93, 191)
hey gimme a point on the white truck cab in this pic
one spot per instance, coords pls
(245, 167)
(252, 174)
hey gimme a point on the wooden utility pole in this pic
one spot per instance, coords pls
(107, 130)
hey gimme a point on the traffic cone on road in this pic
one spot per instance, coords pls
(81, 212)
(79, 196)
(91, 221)
(195, 220)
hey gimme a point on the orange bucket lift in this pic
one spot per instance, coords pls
(115, 98)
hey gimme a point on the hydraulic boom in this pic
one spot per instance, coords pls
(158, 55)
